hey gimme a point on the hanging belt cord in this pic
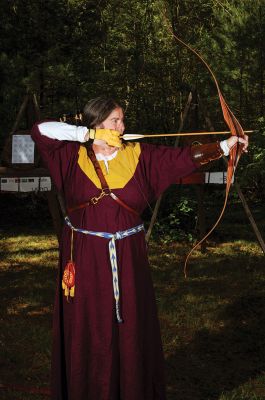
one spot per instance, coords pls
(112, 255)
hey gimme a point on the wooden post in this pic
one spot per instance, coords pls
(55, 213)
(201, 215)
(153, 218)
(20, 114)
(199, 189)
(250, 217)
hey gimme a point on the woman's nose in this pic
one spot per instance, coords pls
(120, 126)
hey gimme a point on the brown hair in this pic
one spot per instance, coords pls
(97, 110)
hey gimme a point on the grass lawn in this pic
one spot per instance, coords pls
(213, 322)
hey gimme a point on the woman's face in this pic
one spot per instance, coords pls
(114, 121)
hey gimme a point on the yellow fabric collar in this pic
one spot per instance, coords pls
(120, 169)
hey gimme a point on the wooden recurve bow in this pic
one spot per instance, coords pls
(236, 130)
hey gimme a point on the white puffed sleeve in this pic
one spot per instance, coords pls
(63, 131)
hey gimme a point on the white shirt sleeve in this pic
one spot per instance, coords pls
(63, 131)
(225, 147)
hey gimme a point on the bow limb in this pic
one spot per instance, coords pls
(235, 128)
(234, 155)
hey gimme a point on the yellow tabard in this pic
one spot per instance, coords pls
(121, 168)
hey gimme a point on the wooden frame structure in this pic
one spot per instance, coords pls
(19, 172)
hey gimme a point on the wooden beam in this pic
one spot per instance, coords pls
(250, 217)
(55, 213)
(6, 172)
(20, 113)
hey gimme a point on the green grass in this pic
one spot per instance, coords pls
(213, 322)
(28, 273)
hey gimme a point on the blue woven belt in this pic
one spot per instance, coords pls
(112, 254)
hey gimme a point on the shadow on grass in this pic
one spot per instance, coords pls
(220, 341)
(213, 363)
(27, 284)
(27, 293)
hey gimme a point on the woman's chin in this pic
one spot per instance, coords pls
(100, 146)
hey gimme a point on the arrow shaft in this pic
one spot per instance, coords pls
(132, 137)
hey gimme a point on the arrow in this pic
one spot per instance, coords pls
(137, 136)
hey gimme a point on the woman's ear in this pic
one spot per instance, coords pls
(100, 126)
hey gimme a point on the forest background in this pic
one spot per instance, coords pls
(67, 52)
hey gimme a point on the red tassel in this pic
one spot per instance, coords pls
(68, 281)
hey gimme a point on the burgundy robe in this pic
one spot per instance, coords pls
(94, 357)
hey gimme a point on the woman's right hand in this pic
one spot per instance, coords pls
(109, 136)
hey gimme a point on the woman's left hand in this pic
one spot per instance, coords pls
(233, 140)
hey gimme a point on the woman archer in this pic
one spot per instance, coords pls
(106, 336)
